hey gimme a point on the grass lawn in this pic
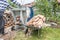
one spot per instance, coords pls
(45, 34)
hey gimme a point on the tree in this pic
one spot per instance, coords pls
(48, 8)
(44, 7)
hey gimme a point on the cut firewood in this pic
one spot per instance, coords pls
(10, 20)
(36, 21)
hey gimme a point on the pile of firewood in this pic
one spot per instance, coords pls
(36, 21)
(9, 20)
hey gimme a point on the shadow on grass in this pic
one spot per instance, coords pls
(35, 33)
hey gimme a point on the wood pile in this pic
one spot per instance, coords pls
(36, 21)
(9, 20)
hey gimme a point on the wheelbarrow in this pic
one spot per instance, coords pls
(30, 30)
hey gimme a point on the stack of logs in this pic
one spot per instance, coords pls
(9, 20)
(36, 21)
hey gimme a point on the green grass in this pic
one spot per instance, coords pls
(45, 34)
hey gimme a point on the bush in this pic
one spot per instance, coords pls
(48, 8)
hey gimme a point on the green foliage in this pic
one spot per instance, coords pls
(48, 8)
(44, 7)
